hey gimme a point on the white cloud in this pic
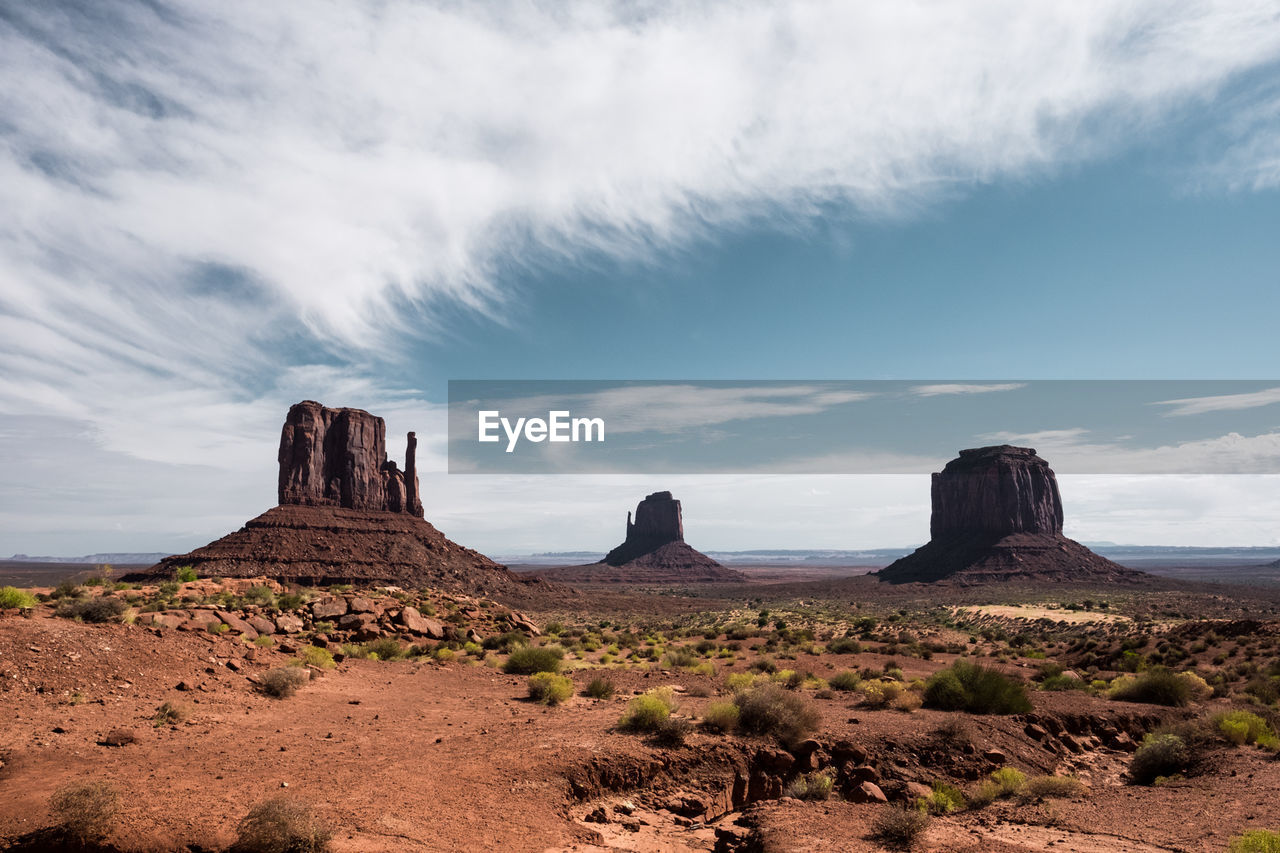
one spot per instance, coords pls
(1072, 450)
(191, 194)
(1221, 403)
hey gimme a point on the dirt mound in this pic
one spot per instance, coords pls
(321, 544)
(672, 563)
(1033, 557)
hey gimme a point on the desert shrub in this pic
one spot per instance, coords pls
(185, 574)
(1063, 682)
(526, 660)
(290, 601)
(505, 642)
(739, 680)
(681, 658)
(85, 811)
(954, 733)
(977, 689)
(895, 826)
(1242, 727)
(549, 688)
(811, 786)
(169, 714)
(600, 688)
(648, 710)
(878, 694)
(1157, 686)
(764, 666)
(66, 589)
(983, 794)
(844, 646)
(281, 825)
(11, 596)
(442, 654)
(283, 681)
(100, 609)
(721, 716)
(943, 799)
(701, 691)
(1009, 780)
(1048, 787)
(262, 596)
(1256, 841)
(847, 680)
(317, 657)
(383, 648)
(907, 701)
(770, 710)
(672, 731)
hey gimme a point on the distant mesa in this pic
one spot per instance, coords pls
(654, 552)
(997, 516)
(347, 514)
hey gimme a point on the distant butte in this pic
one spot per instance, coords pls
(347, 514)
(654, 552)
(997, 516)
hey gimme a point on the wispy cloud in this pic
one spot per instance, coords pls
(1078, 450)
(1221, 403)
(958, 388)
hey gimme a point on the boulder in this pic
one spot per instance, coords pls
(416, 623)
(868, 792)
(328, 609)
(287, 623)
(261, 624)
(360, 604)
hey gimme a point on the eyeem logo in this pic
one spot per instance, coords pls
(559, 426)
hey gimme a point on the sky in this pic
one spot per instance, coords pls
(211, 211)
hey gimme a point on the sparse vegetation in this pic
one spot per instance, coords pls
(185, 574)
(721, 716)
(943, 799)
(1050, 787)
(383, 648)
(646, 712)
(11, 597)
(526, 660)
(977, 689)
(847, 680)
(812, 786)
(1256, 841)
(1157, 686)
(317, 657)
(85, 811)
(169, 714)
(768, 709)
(1159, 755)
(97, 609)
(548, 688)
(898, 827)
(283, 681)
(281, 825)
(600, 688)
(1246, 727)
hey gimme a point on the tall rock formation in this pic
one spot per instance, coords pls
(997, 515)
(338, 457)
(347, 514)
(654, 552)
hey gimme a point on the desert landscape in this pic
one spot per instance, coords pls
(338, 675)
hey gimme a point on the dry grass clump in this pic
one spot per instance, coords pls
(85, 811)
(600, 688)
(898, 827)
(721, 716)
(768, 709)
(281, 825)
(1050, 787)
(548, 688)
(283, 681)
(648, 711)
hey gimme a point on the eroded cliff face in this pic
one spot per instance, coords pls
(338, 457)
(995, 491)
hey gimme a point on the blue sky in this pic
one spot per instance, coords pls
(210, 212)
